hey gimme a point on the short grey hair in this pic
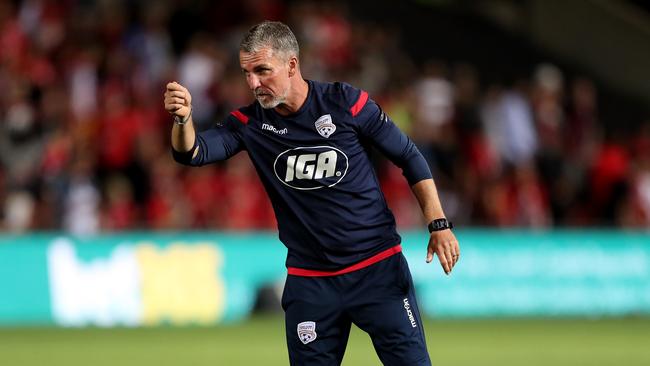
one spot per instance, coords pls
(275, 35)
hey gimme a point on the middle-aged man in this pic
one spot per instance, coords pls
(309, 142)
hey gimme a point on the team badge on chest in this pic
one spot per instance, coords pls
(307, 332)
(325, 126)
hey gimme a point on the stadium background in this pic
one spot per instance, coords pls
(533, 115)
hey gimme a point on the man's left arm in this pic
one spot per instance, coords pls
(377, 127)
(441, 242)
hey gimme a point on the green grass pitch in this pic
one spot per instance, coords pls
(260, 341)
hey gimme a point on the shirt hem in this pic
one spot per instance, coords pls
(294, 271)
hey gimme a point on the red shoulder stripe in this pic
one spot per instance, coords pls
(358, 106)
(240, 116)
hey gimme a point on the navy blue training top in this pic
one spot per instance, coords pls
(315, 167)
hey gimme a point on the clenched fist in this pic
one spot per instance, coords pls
(178, 100)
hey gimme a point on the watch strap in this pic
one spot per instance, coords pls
(440, 224)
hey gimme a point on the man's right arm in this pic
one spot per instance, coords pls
(178, 102)
(190, 147)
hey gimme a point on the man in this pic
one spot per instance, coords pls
(309, 141)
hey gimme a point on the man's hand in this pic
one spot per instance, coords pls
(178, 100)
(444, 244)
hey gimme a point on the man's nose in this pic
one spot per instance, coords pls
(253, 81)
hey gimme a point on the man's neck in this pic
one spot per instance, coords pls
(297, 97)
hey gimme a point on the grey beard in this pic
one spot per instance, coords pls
(275, 101)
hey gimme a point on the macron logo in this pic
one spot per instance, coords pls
(268, 127)
(409, 312)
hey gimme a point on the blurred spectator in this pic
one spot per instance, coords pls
(609, 180)
(199, 69)
(120, 211)
(509, 125)
(167, 207)
(19, 210)
(83, 85)
(244, 195)
(641, 178)
(81, 215)
(434, 103)
(547, 96)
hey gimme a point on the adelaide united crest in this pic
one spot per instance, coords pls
(307, 332)
(325, 126)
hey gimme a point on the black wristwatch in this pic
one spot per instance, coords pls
(440, 224)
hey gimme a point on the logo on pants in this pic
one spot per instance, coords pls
(409, 312)
(307, 332)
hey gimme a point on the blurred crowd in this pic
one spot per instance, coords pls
(84, 138)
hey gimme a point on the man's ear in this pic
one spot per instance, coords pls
(293, 65)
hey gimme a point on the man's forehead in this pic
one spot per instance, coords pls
(263, 55)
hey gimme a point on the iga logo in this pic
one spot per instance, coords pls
(311, 167)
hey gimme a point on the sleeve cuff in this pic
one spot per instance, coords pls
(185, 158)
